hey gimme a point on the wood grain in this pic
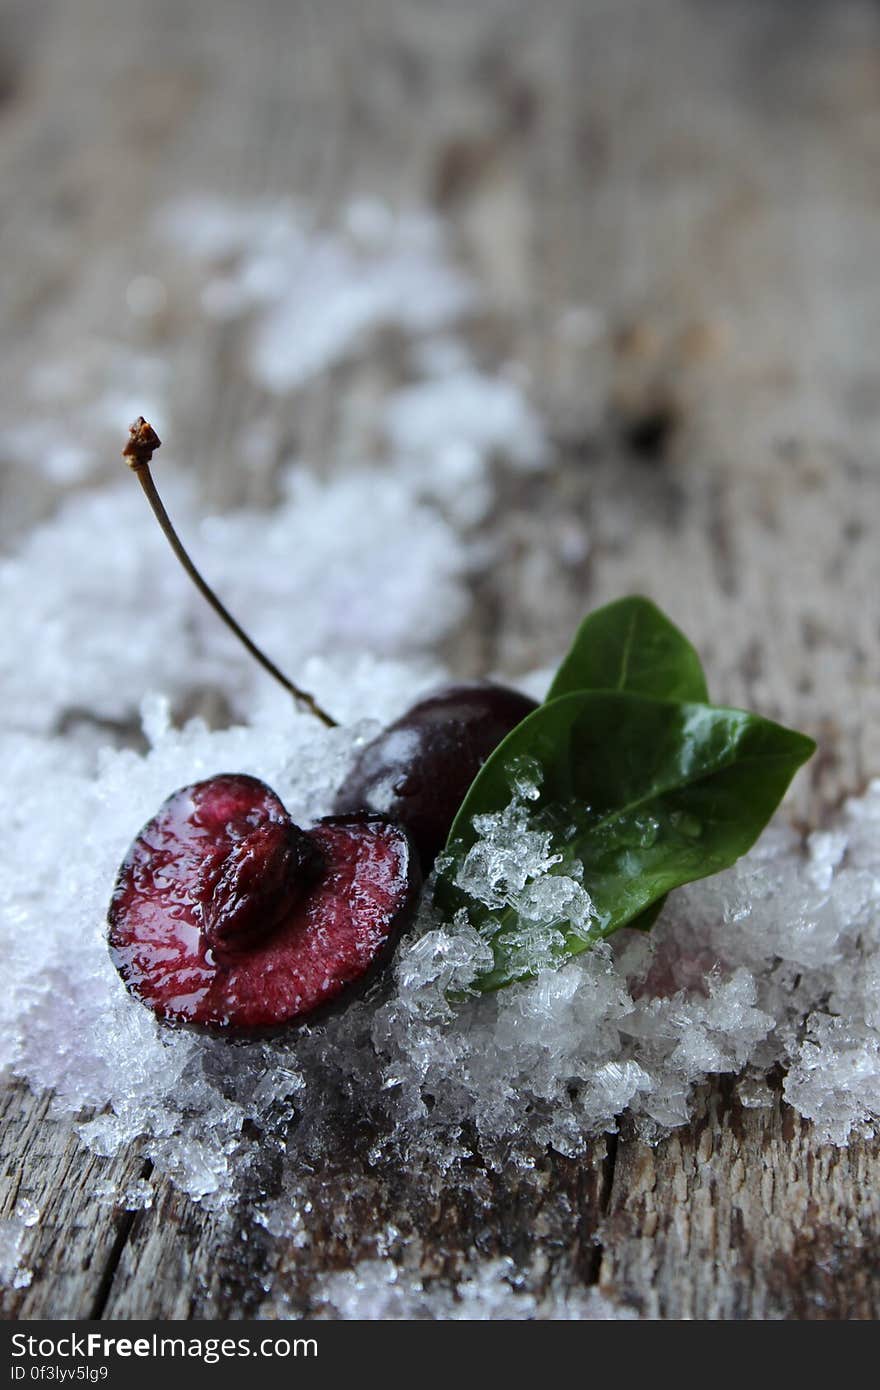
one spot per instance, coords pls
(673, 208)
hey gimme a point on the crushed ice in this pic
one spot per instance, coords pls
(484, 1291)
(775, 961)
(319, 294)
(14, 1272)
(535, 896)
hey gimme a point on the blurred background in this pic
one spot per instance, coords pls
(632, 247)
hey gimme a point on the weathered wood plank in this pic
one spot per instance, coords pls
(742, 1215)
(699, 182)
(78, 1235)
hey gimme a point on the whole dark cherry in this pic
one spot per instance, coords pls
(228, 917)
(418, 770)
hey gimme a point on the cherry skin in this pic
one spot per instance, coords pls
(418, 770)
(228, 917)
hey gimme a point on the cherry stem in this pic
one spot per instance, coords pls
(138, 452)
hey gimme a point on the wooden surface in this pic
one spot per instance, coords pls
(699, 182)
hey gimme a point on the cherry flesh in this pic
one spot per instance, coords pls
(228, 917)
(418, 770)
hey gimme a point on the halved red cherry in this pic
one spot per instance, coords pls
(229, 917)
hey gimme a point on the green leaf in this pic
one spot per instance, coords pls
(646, 919)
(647, 794)
(631, 646)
